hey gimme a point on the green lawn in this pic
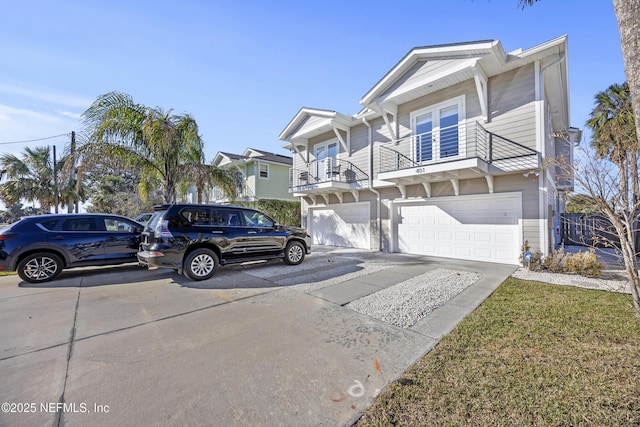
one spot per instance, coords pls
(532, 354)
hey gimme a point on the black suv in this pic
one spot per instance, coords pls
(40, 247)
(194, 239)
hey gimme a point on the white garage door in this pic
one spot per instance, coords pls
(474, 228)
(345, 225)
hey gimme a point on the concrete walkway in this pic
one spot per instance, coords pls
(261, 345)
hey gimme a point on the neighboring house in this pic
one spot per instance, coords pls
(264, 175)
(451, 155)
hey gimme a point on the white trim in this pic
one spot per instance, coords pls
(541, 147)
(481, 79)
(346, 145)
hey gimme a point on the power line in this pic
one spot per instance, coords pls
(34, 140)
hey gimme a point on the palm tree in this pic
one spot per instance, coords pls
(614, 132)
(28, 178)
(614, 139)
(613, 124)
(204, 177)
(163, 146)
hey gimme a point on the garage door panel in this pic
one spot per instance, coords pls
(485, 229)
(482, 237)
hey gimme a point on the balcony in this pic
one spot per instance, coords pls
(460, 151)
(327, 175)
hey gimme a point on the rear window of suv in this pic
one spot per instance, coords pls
(49, 224)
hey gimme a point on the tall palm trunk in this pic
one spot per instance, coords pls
(628, 17)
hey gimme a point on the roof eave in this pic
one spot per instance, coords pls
(421, 53)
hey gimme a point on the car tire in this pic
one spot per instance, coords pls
(200, 264)
(40, 267)
(294, 253)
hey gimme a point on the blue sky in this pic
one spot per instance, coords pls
(243, 69)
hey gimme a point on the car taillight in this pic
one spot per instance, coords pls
(162, 230)
(7, 236)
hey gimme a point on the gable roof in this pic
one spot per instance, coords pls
(250, 154)
(309, 122)
(266, 156)
(456, 56)
(427, 69)
(424, 70)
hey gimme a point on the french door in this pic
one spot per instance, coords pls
(325, 155)
(438, 132)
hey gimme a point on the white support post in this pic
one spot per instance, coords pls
(427, 188)
(489, 179)
(456, 186)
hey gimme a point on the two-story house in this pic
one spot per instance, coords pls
(263, 175)
(452, 155)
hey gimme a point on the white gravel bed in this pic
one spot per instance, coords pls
(367, 268)
(407, 302)
(609, 280)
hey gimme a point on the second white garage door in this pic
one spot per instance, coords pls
(465, 227)
(345, 225)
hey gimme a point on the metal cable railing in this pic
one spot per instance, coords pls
(456, 143)
(326, 170)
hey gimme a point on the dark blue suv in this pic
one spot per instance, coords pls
(40, 247)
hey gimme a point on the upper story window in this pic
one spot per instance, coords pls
(326, 162)
(264, 171)
(327, 150)
(439, 131)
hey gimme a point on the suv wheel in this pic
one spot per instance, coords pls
(294, 253)
(40, 267)
(200, 264)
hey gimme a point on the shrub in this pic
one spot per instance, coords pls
(556, 261)
(286, 212)
(584, 263)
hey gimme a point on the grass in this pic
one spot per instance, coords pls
(532, 354)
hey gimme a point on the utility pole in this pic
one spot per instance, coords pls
(74, 175)
(55, 179)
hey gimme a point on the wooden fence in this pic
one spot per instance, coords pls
(589, 230)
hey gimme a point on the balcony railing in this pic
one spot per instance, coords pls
(453, 143)
(329, 170)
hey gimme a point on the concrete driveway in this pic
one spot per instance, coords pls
(261, 344)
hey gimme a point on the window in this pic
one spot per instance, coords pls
(79, 224)
(197, 216)
(113, 224)
(49, 224)
(439, 131)
(264, 171)
(326, 160)
(222, 217)
(257, 219)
